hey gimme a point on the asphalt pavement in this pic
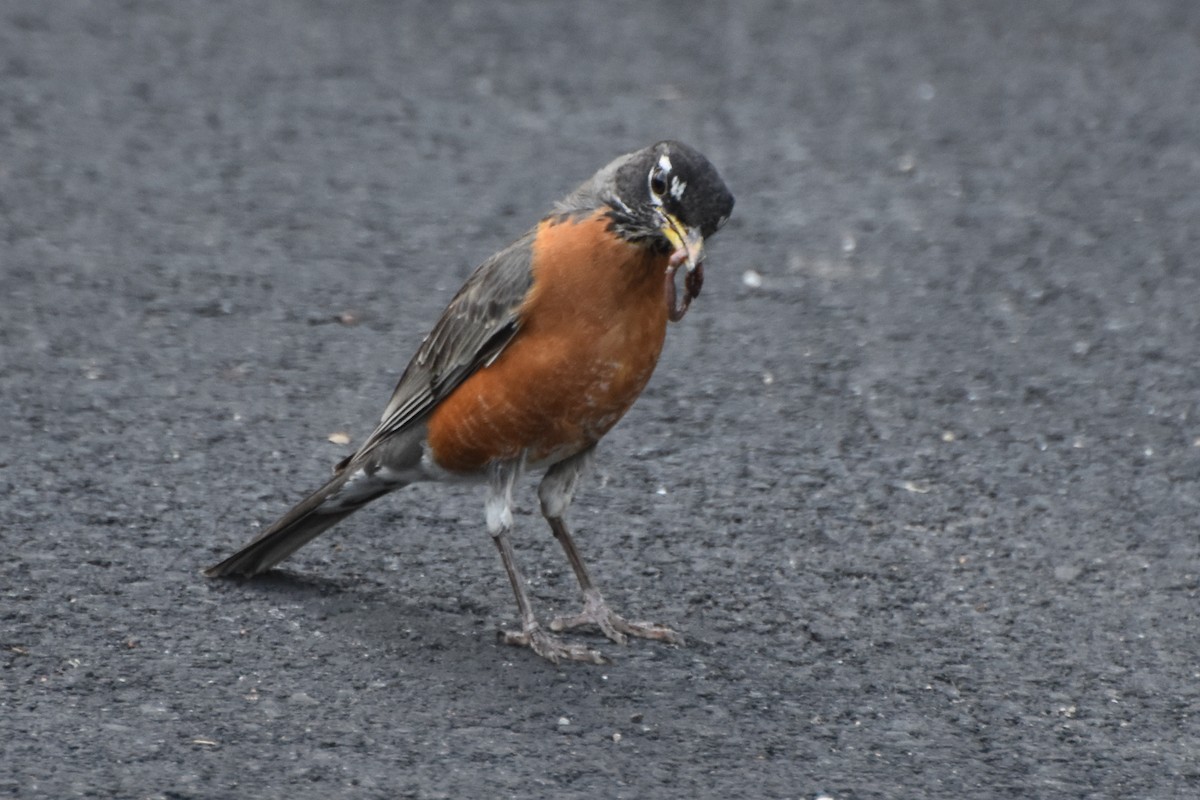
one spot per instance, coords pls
(917, 477)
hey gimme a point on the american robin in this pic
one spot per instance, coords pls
(541, 352)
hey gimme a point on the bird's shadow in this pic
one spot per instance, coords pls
(287, 583)
(432, 628)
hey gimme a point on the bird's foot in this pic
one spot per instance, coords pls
(611, 624)
(550, 647)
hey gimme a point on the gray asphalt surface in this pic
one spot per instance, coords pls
(923, 501)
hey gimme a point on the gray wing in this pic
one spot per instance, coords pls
(480, 320)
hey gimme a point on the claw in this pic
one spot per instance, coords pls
(611, 624)
(550, 647)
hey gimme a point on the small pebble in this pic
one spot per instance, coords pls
(1067, 573)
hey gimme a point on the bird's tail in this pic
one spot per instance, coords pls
(311, 517)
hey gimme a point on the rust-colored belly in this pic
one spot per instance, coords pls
(591, 332)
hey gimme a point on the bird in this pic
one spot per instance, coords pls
(539, 354)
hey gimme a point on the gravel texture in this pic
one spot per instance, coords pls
(918, 476)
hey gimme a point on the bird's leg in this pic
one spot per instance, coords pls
(595, 609)
(532, 635)
(556, 492)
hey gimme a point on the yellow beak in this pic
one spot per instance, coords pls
(687, 243)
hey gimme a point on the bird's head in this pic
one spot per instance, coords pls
(667, 197)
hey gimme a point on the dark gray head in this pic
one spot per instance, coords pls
(666, 195)
(678, 180)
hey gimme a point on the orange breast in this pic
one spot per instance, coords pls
(591, 332)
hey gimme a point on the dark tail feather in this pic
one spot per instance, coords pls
(292, 531)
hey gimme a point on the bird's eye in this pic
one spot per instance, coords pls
(658, 183)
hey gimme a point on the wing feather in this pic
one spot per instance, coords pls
(472, 331)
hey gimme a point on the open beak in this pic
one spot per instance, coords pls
(687, 250)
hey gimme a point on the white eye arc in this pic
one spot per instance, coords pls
(658, 179)
(677, 187)
(658, 184)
